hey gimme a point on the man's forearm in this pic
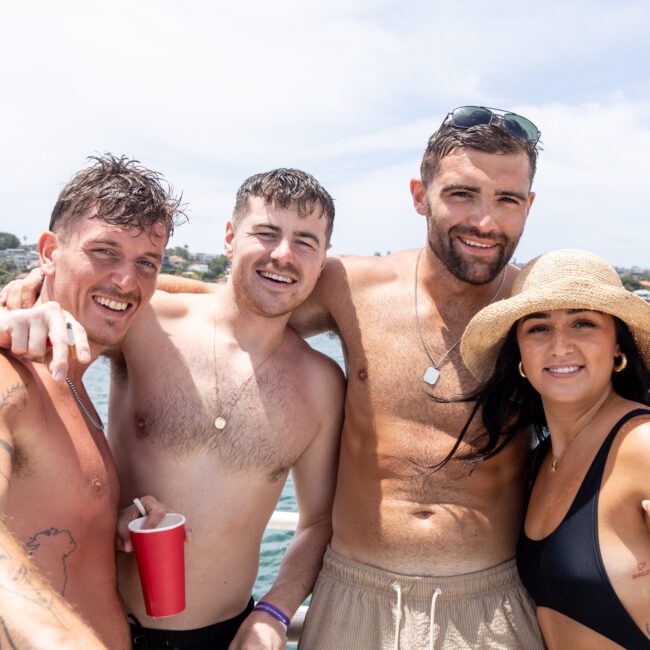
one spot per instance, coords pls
(32, 615)
(179, 284)
(300, 567)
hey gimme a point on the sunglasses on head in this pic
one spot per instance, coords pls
(465, 117)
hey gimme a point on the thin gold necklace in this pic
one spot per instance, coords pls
(432, 373)
(555, 462)
(223, 414)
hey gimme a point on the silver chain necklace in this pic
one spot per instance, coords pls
(98, 424)
(432, 373)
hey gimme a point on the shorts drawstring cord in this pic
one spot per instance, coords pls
(398, 616)
(432, 614)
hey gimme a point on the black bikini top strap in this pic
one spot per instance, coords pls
(594, 474)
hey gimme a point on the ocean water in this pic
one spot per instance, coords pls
(274, 543)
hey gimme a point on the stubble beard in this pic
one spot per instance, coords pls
(105, 341)
(471, 271)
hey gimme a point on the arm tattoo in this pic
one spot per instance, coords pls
(10, 450)
(14, 397)
(19, 583)
(4, 445)
(7, 447)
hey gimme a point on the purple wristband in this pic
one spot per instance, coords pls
(273, 611)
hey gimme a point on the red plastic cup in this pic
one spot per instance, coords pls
(160, 555)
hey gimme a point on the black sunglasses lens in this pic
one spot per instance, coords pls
(468, 116)
(520, 127)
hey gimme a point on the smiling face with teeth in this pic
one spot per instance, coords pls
(103, 274)
(476, 207)
(568, 354)
(277, 255)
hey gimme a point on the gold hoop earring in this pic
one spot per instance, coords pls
(622, 364)
(521, 370)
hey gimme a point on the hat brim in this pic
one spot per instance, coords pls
(486, 332)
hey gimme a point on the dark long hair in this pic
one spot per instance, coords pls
(509, 403)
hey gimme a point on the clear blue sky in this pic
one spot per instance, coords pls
(209, 93)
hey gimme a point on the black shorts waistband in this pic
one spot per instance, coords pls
(216, 636)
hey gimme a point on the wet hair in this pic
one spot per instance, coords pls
(489, 138)
(123, 192)
(510, 404)
(283, 188)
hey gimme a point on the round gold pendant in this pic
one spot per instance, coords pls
(220, 423)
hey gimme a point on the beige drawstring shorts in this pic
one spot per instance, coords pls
(359, 607)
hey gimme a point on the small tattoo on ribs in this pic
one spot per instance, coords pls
(642, 571)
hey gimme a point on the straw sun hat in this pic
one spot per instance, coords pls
(562, 279)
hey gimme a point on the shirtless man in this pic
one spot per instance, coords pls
(59, 489)
(213, 400)
(421, 554)
(216, 400)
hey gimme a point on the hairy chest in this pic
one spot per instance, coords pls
(249, 419)
(385, 339)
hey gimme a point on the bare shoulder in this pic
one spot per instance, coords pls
(315, 364)
(361, 273)
(342, 284)
(636, 433)
(319, 377)
(351, 272)
(636, 438)
(167, 313)
(632, 453)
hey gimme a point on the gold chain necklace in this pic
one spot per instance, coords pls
(223, 415)
(556, 459)
(432, 373)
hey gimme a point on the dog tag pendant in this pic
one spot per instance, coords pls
(431, 375)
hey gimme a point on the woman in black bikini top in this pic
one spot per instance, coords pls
(569, 354)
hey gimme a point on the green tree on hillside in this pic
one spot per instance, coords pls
(218, 266)
(7, 274)
(181, 251)
(630, 282)
(7, 240)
